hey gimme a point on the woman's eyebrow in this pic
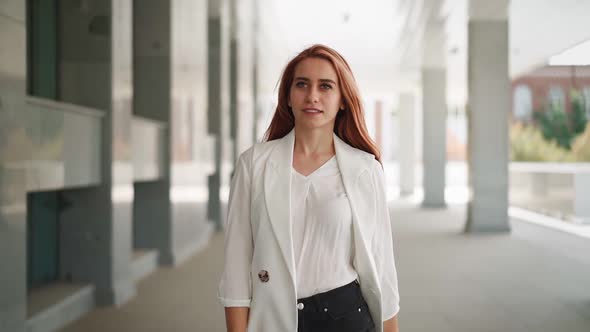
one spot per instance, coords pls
(321, 80)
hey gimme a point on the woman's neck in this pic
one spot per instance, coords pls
(314, 142)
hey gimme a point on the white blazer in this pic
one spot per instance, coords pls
(259, 267)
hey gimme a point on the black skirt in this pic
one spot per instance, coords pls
(342, 309)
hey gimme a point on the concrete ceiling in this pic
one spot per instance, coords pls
(540, 29)
(366, 33)
(383, 39)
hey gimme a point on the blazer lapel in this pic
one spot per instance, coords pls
(277, 194)
(351, 163)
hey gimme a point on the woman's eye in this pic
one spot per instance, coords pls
(300, 84)
(326, 86)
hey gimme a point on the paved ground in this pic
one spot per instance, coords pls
(169, 300)
(449, 281)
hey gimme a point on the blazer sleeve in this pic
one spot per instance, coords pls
(382, 246)
(235, 286)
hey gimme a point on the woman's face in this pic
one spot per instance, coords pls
(315, 96)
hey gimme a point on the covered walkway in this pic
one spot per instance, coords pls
(449, 281)
(121, 122)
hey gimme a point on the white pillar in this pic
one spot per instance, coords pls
(242, 79)
(489, 104)
(219, 103)
(16, 144)
(98, 224)
(170, 86)
(407, 146)
(435, 116)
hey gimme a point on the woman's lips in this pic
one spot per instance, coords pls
(312, 111)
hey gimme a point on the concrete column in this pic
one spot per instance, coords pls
(15, 151)
(152, 215)
(435, 116)
(489, 105)
(96, 71)
(170, 86)
(246, 90)
(219, 103)
(379, 124)
(407, 146)
(234, 75)
(256, 109)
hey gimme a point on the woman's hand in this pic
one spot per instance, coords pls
(390, 325)
(236, 319)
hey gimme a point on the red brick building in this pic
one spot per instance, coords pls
(550, 84)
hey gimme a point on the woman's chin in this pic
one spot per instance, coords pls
(314, 123)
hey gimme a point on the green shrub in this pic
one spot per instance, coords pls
(581, 146)
(562, 127)
(528, 144)
(578, 116)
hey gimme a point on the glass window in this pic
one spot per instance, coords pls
(523, 103)
(42, 48)
(556, 98)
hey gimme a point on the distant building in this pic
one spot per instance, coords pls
(550, 84)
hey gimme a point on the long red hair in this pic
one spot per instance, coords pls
(350, 123)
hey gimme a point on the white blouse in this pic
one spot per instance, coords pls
(321, 222)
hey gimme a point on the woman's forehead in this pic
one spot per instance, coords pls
(316, 69)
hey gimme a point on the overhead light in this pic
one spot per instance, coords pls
(345, 17)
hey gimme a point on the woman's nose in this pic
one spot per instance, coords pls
(312, 95)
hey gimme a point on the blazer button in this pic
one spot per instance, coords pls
(300, 306)
(263, 276)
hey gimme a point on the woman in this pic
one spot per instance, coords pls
(308, 242)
